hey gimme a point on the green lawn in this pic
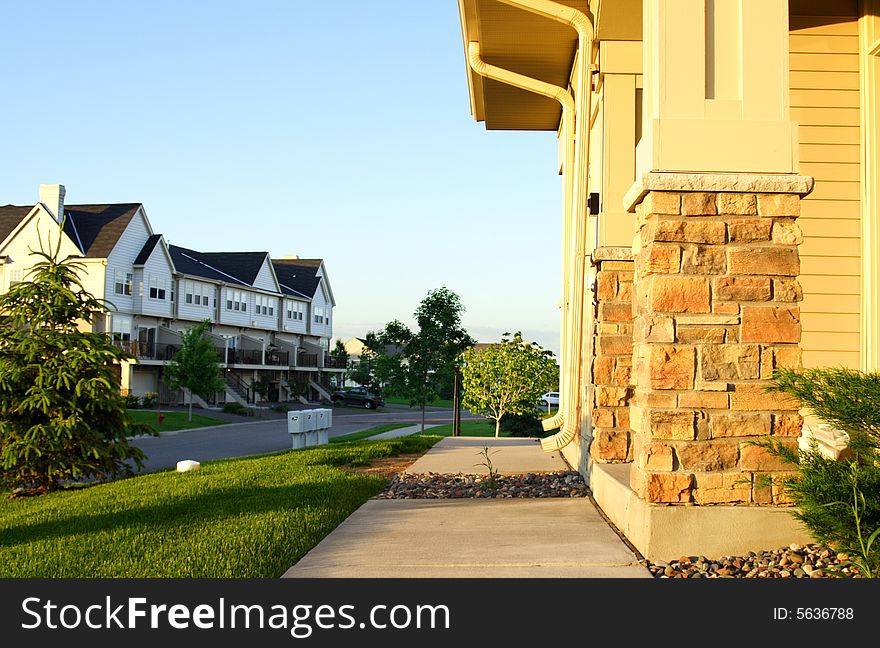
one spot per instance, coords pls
(173, 420)
(440, 402)
(363, 434)
(468, 428)
(252, 517)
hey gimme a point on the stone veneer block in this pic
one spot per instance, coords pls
(771, 324)
(766, 260)
(680, 295)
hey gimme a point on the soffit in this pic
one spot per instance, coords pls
(525, 43)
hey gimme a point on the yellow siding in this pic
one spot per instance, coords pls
(825, 103)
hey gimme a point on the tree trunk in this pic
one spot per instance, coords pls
(498, 427)
(190, 406)
(423, 418)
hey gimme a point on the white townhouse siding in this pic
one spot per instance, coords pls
(265, 279)
(249, 309)
(321, 315)
(294, 316)
(235, 306)
(119, 283)
(196, 300)
(264, 315)
(157, 285)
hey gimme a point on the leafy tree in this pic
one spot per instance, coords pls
(415, 364)
(195, 367)
(339, 351)
(506, 378)
(263, 385)
(361, 371)
(62, 416)
(341, 356)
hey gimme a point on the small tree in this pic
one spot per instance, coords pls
(505, 378)
(417, 364)
(195, 367)
(341, 356)
(838, 500)
(62, 416)
(263, 385)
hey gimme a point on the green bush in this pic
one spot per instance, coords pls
(132, 401)
(521, 425)
(236, 408)
(280, 407)
(837, 500)
(149, 399)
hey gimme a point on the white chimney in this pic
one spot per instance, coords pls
(52, 196)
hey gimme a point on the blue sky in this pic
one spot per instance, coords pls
(336, 130)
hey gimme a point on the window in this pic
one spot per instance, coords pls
(15, 277)
(236, 301)
(123, 282)
(158, 287)
(319, 316)
(197, 293)
(295, 310)
(264, 305)
(120, 327)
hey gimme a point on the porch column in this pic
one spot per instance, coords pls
(715, 284)
(716, 90)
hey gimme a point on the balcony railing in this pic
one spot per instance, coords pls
(244, 356)
(147, 350)
(307, 360)
(278, 358)
(334, 362)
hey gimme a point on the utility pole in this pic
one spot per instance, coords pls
(456, 403)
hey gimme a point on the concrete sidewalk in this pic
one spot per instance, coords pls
(474, 538)
(400, 432)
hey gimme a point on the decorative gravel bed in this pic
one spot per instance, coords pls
(444, 486)
(794, 561)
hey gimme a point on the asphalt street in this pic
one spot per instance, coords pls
(256, 437)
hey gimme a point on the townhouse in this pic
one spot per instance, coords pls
(270, 336)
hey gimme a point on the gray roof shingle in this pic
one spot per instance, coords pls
(96, 228)
(10, 217)
(298, 277)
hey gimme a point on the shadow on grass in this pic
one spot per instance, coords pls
(200, 510)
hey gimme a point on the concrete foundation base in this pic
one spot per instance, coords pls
(662, 532)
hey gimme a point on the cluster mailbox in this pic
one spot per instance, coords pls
(309, 427)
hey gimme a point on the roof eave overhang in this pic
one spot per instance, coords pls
(520, 41)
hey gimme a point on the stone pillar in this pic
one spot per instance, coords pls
(716, 310)
(612, 362)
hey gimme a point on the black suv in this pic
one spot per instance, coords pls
(359, 396)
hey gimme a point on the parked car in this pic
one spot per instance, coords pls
(359, 396)
(549, 399)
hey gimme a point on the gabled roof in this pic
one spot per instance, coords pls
(97, 228)
(10, 216)
(197, 264)
(298, 277)
(244, 266)
(147, 250)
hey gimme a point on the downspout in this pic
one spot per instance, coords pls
(572, 348)
(561, 95)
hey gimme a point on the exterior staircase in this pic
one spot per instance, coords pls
(322, 392)
(236, 391)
